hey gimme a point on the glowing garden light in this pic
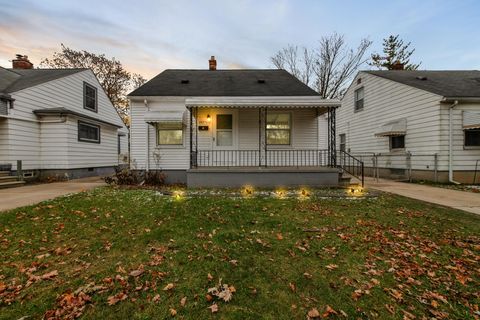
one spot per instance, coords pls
(247, 191)
(355, 191)
(280, 193)
(303, 193)
(178, 195)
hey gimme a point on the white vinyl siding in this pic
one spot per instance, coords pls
(36, 143)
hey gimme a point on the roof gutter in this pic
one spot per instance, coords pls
(450, 142)
(461, 99)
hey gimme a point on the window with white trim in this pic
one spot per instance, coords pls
(279, 128)
(88, 132)
(359, 99)
(170, 133)
(343, 142)
(224, 130)
(472, 137)
(397, 142)
(90, 97)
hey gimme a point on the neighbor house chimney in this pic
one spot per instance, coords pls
(212, 63)
(21, 62)
(397, 65)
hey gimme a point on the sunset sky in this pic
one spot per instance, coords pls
(149, 36)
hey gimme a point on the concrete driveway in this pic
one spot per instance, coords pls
(463, 200)
(27, 195)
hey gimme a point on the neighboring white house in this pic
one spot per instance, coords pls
(413, 124)
(58, 122)
(229, 128)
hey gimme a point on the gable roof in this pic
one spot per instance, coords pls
(450, 84)
(12, 80)
(233, 83)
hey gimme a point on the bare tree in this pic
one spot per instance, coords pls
(327, 68)
(115, 80)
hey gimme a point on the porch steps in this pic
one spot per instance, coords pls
(9, 181)
(11, 184)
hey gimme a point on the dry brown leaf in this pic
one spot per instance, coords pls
(313, 313)
(173, 312)
(331, 266)
(328, 311)
(169, 286)
(49, 275)
(156, 298)
(112, 300)
(209, 277)
(136, 273)
(213, 308)
(279, 236)
(183, 301)
(292, 286)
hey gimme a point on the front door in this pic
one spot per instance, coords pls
(225, 133)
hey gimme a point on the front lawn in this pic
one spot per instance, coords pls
(136, 254)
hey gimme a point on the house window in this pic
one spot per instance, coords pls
(89, 97)
(278, 128)
(472, 137)
(343, 142)
(397, 142)
(170, 133)
(359, 95)
(88, 132)
(224, 130)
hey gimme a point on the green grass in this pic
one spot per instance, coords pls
(401, 255)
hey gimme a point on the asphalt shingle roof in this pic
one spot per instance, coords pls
(12, 80)
(175, 82)
(455, 83)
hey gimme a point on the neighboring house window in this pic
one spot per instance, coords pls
(169, 133)
(343, 142)
(278, 128)
(472, 137)
(89, 97)
(119, 144)
(359, 95)
(88, 132)
(397, 142)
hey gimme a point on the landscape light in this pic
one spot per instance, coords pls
(178, 194)
(303, 194)
(355, 191)
(247, 191)
(280, 193)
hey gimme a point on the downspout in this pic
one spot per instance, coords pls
(147, 160)
(450, 142)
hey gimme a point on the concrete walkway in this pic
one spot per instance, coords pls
(23, 196)
(463, 200)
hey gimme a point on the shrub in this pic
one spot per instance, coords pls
(128, 177)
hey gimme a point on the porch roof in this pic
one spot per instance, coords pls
(258, 102)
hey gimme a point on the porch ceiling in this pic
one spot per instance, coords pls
(261, 102)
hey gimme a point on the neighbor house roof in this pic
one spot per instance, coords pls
(12, 80)
(174, 82)
(449, 84)
(64, 111)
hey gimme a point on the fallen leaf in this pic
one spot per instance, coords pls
(49, 275)
(279, 236)
(156, 298)
(213, 308)
(183, 301)
(329, 310)
(331, 266)
(173, 312)
(313, 313)
(136, 273)
(168, 287)
(112, 300)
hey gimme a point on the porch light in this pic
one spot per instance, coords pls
(208, 118)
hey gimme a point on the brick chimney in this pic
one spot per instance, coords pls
(397, 65)
(212, 63)
(21, 62)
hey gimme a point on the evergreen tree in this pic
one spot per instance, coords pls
(395, 53)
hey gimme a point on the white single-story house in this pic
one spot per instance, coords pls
(413, 124)
(228, 128)
(57, 122)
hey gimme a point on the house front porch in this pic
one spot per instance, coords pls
(262, 143)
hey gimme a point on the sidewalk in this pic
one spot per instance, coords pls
(23, 196)
(467, 201)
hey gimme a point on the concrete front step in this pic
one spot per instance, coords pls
(4, 173)
(7, 178)
(11, 184)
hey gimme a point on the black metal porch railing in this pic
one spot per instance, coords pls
(257, 158)
(351, 165)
